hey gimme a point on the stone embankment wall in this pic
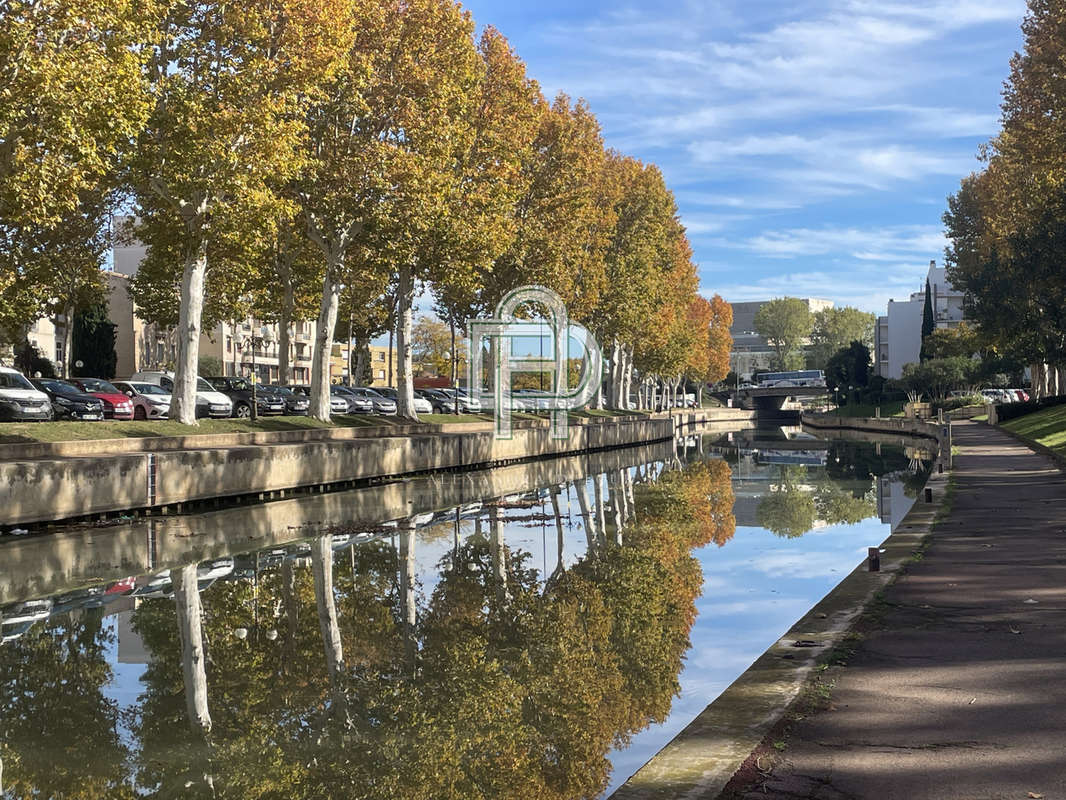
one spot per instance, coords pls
(890, 425)
(38, 566)
(108, 478)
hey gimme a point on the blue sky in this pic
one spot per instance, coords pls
(810, 145)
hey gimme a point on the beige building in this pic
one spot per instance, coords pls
(380, 358)
(48, 341)
(139, 345)
(238, 345)
(378, 368)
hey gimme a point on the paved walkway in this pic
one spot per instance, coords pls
(960, 691)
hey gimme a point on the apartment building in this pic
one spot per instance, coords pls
(898, 334)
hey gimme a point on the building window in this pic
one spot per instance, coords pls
(379, 356)
(380, 375)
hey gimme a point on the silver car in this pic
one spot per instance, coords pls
(357, 403)
(381, 404)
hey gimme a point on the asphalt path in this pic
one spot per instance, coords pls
(958, 689)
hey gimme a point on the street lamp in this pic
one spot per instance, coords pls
(266, 336)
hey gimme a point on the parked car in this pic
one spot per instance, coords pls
(149, 401)
(999, 396)
(209, 403)
(295, 404)
(338, 403)
(440, 403)
(70, 402)
(381, 404)
(17, 618)
(357, 403)
(116, 404)
(422, 405)
(529, 400)
(467, 404)
(20, 400)
(239, 391)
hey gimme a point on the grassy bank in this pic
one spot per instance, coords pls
(1046, 427)
(13, 432)
(893, 408)
(16, 432)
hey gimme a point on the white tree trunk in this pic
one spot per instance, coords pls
(288, 303)
(405, 388)
(616, 374)
(183, 399)
(614, 494)
(499, 554)
(558, 514)
(586, 515)
(407, 589)
(627, 380)
(322, 572)
(190, 633)
(320, 360)
(601, 522)
(68, 341)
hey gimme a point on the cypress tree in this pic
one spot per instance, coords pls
(94, 344)
(928, 323)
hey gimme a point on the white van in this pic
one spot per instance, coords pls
(19, 399)
(209, 403)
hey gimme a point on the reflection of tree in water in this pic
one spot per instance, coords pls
(498, 687)
(59, 734)
(792, 508)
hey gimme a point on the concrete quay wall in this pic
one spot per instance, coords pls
(76, 556)
(889, 425)
(43, 489)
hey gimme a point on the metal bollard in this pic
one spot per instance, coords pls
(873, 558)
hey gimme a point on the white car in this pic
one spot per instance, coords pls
(149, 401)
(209, 403)
(20, 400)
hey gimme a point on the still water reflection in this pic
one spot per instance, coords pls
(537, 630)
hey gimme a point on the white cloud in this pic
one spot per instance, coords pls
(885, 243)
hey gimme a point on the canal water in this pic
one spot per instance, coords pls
(537, 630)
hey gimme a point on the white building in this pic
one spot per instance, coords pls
(898, 335)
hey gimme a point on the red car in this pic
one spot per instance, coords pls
(116, 404)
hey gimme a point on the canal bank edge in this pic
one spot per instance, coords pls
(46, 489)
(702, 758)
(899, 426)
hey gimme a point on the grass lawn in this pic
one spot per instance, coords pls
(14, 432)
(18, 432)
(892, 408)
(1046, 427)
